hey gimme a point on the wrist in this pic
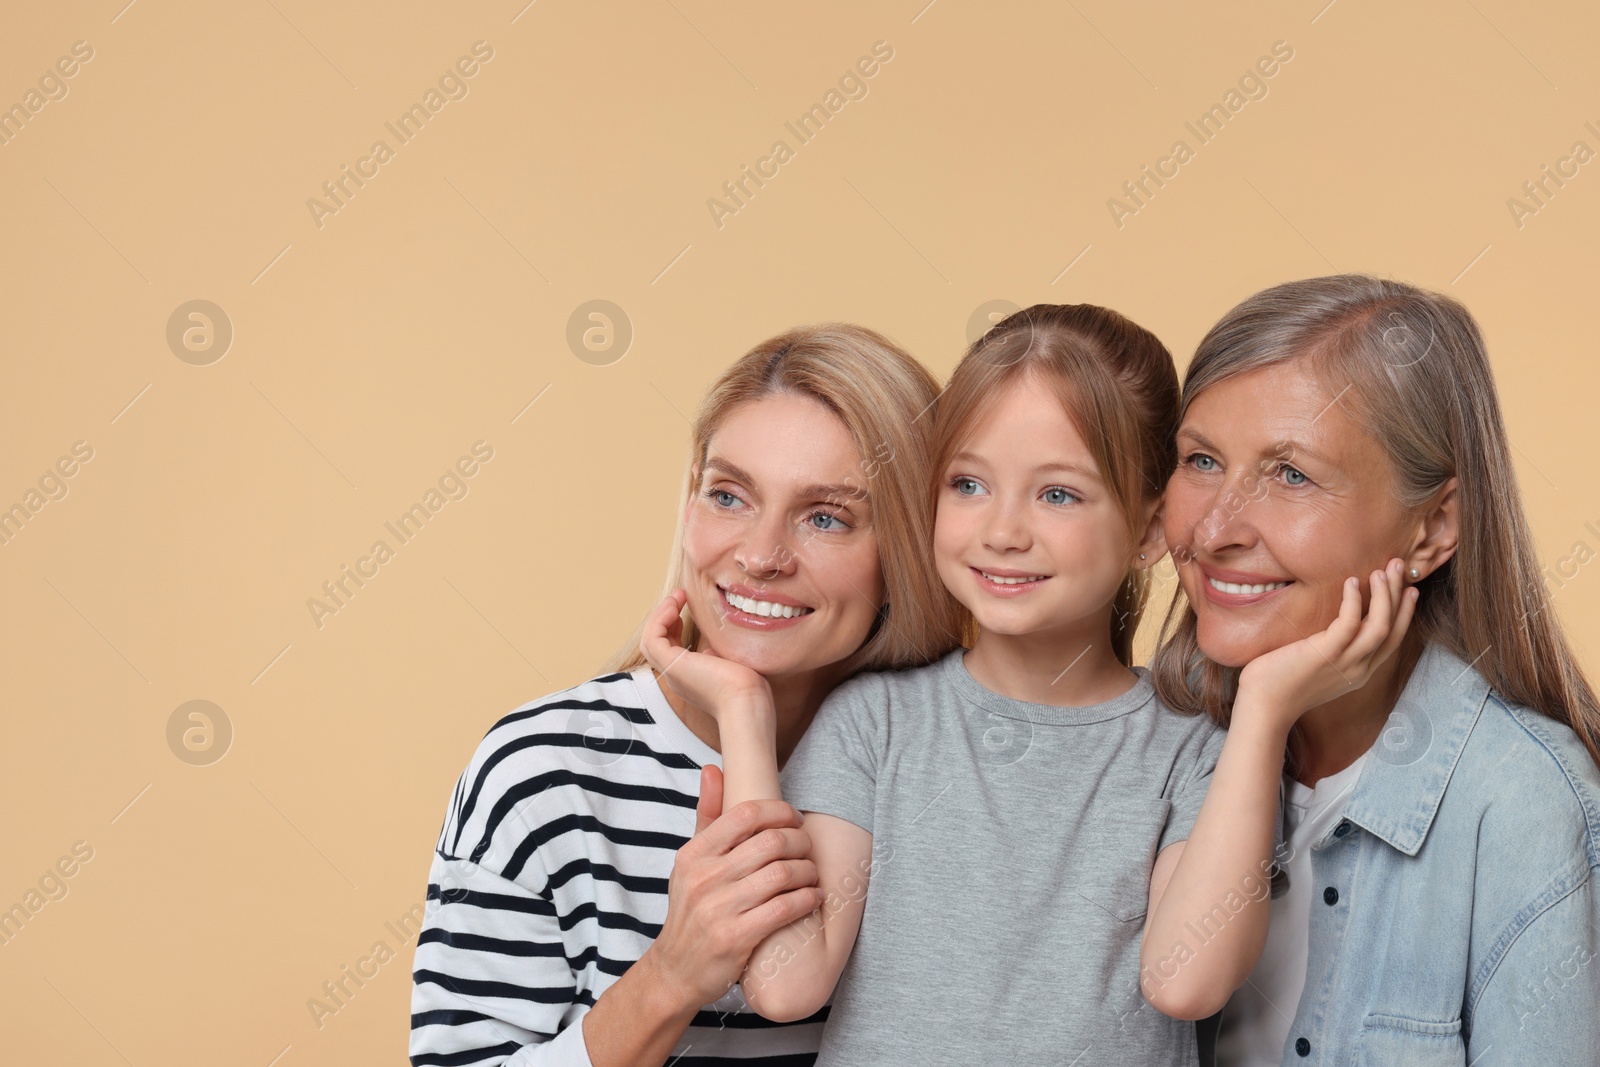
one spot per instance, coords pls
(659, 993)
(751, 707)
(756, 701)
(1262, 721)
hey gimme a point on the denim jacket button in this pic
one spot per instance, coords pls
(1342, 829)
(1330, 895)
(1302, 1046)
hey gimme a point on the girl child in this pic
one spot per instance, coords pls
(1019, 805)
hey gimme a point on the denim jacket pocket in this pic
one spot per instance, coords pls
(1119, 882)
(1388, 1040)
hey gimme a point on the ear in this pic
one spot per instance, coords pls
(1438, 530)
(1153, 545)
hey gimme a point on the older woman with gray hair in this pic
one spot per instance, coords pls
(1434, 895)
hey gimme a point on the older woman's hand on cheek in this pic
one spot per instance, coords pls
(1284, 684)
(705, 679)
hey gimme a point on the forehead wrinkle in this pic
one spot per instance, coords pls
(1301, 416)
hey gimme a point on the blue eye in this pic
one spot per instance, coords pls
(1200, 461)
(1057, 495)
(958, 483)
(1290, 474)
(722, 497)
(839, 524)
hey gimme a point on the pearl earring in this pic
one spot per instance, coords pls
(1141, 555)
(1414, 574)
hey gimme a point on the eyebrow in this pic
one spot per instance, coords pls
(824, 492)
(1295, 448)
(1043, 468)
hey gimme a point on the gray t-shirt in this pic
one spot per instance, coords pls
(1012, 849)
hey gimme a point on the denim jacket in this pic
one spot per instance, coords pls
(1457, 920)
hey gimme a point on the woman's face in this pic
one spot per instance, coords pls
(783, 573)
(1027, 536)
(1278, 498)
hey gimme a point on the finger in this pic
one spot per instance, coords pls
(1348, 621)
(746, 819)
(1397, 632)
(773, 843)
(780, 876)
(780, 911)
(709, 806)
(1394, 580)
(1397, 588)
(1381, 612)
(655, 625)
(679, 599)
(1375, 627)
(661, 653)
(659, 640)
(683, 605)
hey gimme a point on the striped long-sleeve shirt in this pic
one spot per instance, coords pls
(550, 878)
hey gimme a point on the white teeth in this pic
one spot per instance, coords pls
(1013, 581)
(1244, 590)
(764, 607)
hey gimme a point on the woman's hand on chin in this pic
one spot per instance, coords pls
(704, 679)
(1287, 682)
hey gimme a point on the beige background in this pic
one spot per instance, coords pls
(428, 313)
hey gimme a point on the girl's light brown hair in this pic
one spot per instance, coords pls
(880, 393)
(1416, 367)
(1115, 381)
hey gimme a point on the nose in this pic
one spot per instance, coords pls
(1005, 526)
(1227, 523)
(767, 552)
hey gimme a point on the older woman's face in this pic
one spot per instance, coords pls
(1278, 498)
(783, 569)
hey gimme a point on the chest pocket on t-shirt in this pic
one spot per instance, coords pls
(1118, 845)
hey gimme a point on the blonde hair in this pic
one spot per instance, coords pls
(880, 394)
(1117, 383)
(1418, 366)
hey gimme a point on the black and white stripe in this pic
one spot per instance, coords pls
(549, 879)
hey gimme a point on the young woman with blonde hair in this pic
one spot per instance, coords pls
(589, 902)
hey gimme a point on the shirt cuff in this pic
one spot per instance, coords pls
(566, 1049)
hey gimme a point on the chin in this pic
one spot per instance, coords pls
(1004, 627)
(765, 657)
(1231, 647)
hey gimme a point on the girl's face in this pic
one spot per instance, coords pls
(1278, 498)
(783, 573)
(1026, 536)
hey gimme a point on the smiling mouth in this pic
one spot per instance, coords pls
(1236, 589)
(763, 608)
(1024, 580)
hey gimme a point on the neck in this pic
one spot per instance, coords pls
(795, 699)
(1066, 666)
(1332, 736)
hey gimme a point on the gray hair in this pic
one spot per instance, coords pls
(1415, 374)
